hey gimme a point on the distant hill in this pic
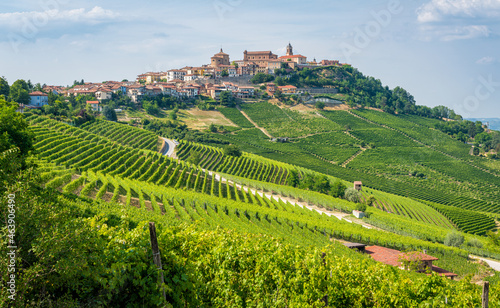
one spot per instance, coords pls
(494, 122)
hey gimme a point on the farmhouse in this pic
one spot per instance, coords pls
(421, 262)
(38, 99)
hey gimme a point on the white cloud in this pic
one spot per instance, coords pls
(485, 60)
(435, 10)
(453, 33)
(36, 18)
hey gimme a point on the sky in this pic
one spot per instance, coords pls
(444, 52)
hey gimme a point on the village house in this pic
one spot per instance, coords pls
(95, 106)
(38, 99)
(289, 89)
(176, 75)
(104, 93)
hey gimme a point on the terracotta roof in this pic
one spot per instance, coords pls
(92, 102)
(259, 52)
(385, 255)
(287, 87)
(443, 272)
(392, 256)
(294, 56)
(38, 93)
(358, 182)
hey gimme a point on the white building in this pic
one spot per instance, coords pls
(176, 74)
(104, 94)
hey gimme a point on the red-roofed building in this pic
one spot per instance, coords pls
(299, 59)
(421, 261)
(329, 62)
(95, 105)
(38, 99)
(289, 89)
(358, 185)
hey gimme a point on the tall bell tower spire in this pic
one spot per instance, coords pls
(289, 49)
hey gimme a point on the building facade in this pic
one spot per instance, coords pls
(38, 99)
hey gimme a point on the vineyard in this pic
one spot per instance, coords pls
(248, 166)
(85, 151)
(125, 135)
(232, 208)
(397, 149)
(215, 211)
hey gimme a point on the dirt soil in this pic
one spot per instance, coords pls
(338, 107)
(201, 119)
(107, 197)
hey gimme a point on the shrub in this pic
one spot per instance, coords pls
(352, 195)
(232, 150)
(474, 242)
(454, 239)
(361, 207)
(338, 189)
(370, 200)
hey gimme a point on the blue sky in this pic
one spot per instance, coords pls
(444, 52)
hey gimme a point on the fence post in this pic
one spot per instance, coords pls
(486, 290)
(325, 298)
(156, 255)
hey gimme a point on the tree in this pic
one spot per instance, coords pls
(173, 116)
(338, 189)
(224, 73)
(109, 113)
(226, 99)
(151, 108)
(352, 195)
(461, 136)
(292, 178)
(232, 150)
(194, 157)
(475, 151)
(320, 105)
(19, 92)
(321, 184)
(454, 239)
(370, 200)
(14, 130)
(4, 87)
(361, 207)
(212, 128)
(261, 78)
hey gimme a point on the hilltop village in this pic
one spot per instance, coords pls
(220, 75)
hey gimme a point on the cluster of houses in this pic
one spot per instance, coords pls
(190, 82)
(253, 62)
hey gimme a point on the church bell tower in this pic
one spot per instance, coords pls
(289, 50)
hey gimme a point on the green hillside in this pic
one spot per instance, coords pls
(260, 229)
(403, 155)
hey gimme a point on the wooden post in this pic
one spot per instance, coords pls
(325, 298)
(156, 255)
(486, 290)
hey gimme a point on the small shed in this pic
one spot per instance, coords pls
(358, 246)
(358, 214)
(358, 185)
